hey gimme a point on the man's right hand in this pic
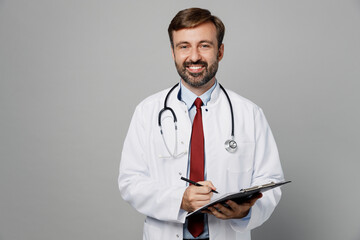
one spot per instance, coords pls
(197, 196)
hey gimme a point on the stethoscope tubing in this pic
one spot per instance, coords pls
(230, 145)
(231, 110)
(166, 108)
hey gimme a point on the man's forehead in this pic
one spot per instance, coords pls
(204, 31)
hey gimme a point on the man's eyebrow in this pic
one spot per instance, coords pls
(182, 42)
(207, 41)
(202, 41)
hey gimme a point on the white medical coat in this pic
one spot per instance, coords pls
(152, 185)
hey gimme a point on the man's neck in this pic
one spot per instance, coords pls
(199, 90)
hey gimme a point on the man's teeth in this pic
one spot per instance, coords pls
(195, 68)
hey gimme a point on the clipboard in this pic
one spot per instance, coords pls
(239, 197)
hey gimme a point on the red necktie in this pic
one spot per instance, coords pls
(196, 222)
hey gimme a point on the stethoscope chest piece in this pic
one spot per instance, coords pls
(231, 146)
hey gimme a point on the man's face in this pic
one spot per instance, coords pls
(196, 54)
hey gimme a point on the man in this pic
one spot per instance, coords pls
(153, 161)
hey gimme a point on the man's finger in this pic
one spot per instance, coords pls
(217, 214)
(201, 190)
(224, 210)
(208, 184)
(233, 205)
(255, 198)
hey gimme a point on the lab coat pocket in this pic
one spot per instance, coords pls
(240, 167)
(238, 180)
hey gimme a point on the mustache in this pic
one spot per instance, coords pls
(199, 62)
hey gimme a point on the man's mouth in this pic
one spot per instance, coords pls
(195, 68)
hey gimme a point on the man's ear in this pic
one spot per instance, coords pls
(172, 53)
(221, 52)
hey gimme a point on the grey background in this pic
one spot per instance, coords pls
(72, 72)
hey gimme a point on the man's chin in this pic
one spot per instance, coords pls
(196, 82)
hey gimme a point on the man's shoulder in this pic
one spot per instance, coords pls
(238, 100)
(154, 99)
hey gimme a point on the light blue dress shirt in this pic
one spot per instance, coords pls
(189, 98)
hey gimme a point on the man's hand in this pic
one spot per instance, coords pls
(195, 196)
(234, 210)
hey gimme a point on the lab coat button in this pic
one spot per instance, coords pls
(177, 235)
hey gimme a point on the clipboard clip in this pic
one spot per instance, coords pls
(257, 187)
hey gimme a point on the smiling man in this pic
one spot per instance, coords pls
(197, 55)
(182, 132)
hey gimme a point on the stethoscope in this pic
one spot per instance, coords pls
(230, 145)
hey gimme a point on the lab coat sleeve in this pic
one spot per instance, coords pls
(147, 195)
(267, 168)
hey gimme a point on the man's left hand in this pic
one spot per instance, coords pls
(234, 210)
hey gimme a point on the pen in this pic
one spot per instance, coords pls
(195, 183)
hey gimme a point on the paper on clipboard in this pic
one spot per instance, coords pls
(241, 196)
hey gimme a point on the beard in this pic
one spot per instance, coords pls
(197, 79)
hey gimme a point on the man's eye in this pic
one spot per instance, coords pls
(183, 47)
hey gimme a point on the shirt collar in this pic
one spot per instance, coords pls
(188, 97)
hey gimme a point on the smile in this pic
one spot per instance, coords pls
(195, 69)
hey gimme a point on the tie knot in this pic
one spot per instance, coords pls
(198, 103)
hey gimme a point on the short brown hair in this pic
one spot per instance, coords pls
(192, 17)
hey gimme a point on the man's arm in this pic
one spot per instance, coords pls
(146, 194)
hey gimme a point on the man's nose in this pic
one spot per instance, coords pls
(195, 55)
